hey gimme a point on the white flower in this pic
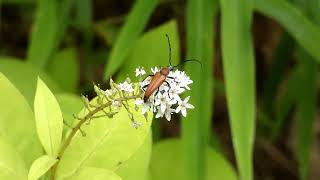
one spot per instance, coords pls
(182, 79)
(167, 95)
(140, 71)
(183, 105)
(163, 101)
(168, 112)
(125, 86)
(154, 70)
(175, 91)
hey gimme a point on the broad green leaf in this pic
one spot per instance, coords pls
(137, 166)
(93, 173)
(40, 166)
(24, 77)
(152, 49)
(12, 166)
(167, 163)
(43, 37)
(303, 30)
(239, 74)
(17, 122)
(109, 142)
(70, 104)
(64, 69)
(135, 23)
(196, 127)
(49, 120)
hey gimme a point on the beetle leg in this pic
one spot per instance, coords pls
(154, 99)
(145, 86)
(150, 75)
(169, 89)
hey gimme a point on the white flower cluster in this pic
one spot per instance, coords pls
(166, 100)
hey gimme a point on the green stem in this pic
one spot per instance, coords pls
(80, 123)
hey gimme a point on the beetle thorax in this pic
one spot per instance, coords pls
(165, 71)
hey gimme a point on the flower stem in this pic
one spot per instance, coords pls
(78, 126)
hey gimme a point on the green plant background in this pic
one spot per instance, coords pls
(71, 44)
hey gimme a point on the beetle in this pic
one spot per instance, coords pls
(160, 77)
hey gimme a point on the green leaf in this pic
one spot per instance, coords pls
(83, 14)
(239, 73)
(40, 166)
(70, 104)
(43, 38)
(286, 101)
(107, 30)
(51, 21)
(134, 25)
(303, 30)
(137, 166)
(167, 163)
(12, 166)
(49, 120)
(64, 69)
(24, 77)
(18, 2)
(93, 173)
(196, 127)
(306, 111)
(109, 142)
(152, 49)
(17, 122)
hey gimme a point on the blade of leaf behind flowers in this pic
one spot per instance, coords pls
(134, 25)
(196, 127)
(239, 74)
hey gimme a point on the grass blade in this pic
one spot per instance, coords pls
(239, 72)
(134, 25)
(303, 30)
(44, 33)
(51, 22)
(306, 102)
(306, 109)
(196, 127)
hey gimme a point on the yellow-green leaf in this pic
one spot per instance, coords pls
(109, 142)
(12, 166)
(40, 166)
(17, 122)
(93, 173)
(26, 80)
(49, 120)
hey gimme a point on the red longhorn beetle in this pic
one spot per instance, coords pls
(160, 77)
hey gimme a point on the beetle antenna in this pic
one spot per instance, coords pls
(194, 60)
(188, 60)
(169, 49)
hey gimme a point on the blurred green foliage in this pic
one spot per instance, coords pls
(112, 148)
